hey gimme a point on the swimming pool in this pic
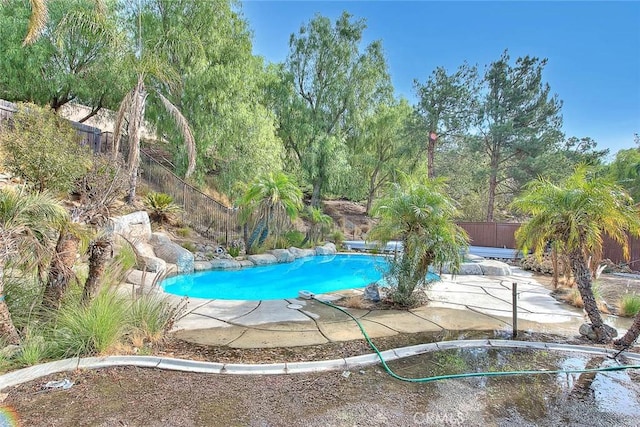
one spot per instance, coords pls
(318, 274)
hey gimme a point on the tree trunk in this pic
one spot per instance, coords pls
(372, 189)
(99, 254)
(133, 182)
(493, 185)
(431, 153)
(583, 276)
(8, 331)
(315, 195)
(631, 335)
(60, 271)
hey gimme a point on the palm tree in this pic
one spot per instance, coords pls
(132, 110)
(28, 224)
(320, 224)
(577, 213)
(270, 203)
(421, 215)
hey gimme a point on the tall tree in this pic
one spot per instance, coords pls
(519, 119)
(575, 215)
(332, 86)
(445, 103)
(221, 89)
(77, 59)
(383, 146)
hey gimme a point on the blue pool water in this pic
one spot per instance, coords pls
(319, 274)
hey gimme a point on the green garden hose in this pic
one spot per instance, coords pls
(470, 374)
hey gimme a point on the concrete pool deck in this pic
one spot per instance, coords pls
(456, 303)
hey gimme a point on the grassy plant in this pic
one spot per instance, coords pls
(126, 257)
(183, 232)
(150, 316)
(33, 350)
(23, 295)
(629, 305)
(161, 207)
(189, 246)
(294, 238)
(234, 251)
(90, 329)
(337, 236)
(575, 299)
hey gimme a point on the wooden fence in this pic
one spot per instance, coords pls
(502, 235)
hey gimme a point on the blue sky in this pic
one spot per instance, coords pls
(593, 48)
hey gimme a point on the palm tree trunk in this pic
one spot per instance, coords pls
(99, 254)
(60, 270)
(583, 277)
(631, 335)
(8, 331)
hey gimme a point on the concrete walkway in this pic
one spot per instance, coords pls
(456, 303)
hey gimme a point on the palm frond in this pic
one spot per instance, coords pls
(185, 130)
(37, 21)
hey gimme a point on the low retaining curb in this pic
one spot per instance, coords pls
(34, 372)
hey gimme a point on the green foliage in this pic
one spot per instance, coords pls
(294, 238)
(126, 257)
(77, 58)
(183, 232)
(221, 90)
(421, 215)
(190, 246)
(23, 295)
(90, 329)
(327, 85)
(234, 251)
(161, 207)
(43, 149)
(629, 305)
(320, 224)
(625, 170)
(269, 204)
(151, 315)
(518, 120)
(33, 350)
(337, 237)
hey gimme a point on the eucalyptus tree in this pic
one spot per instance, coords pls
(445, 105)
(518, 120)
(420, 214)
(331, 84)
(575, 215)
(221, 90)
(77, 58)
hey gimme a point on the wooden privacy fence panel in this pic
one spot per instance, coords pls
(502, 235)
(491, 234)
(205, 215)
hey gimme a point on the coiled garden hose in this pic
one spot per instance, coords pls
(469, 374)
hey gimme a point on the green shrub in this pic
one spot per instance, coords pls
(337, 236)
(294, 238)
(161, 207)
(234, 251)
(44, 149)
(183, 232)
(91, 329)
(190, 246)
(629, 305)
(151, 316)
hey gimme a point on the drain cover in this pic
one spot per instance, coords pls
(294, 306)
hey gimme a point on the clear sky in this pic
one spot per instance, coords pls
(593, 48)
